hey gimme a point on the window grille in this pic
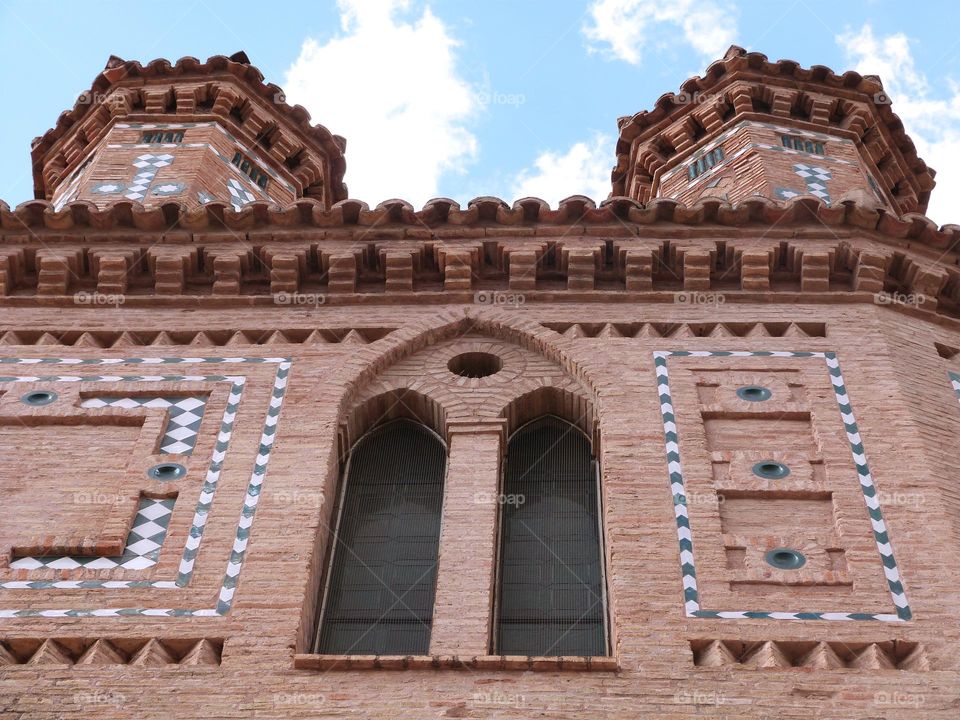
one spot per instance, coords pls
(798, 143)
(551, 594)
(380, 588)
(160, 136)
(704, 163)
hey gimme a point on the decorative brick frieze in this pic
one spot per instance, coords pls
(85, 654)
(810, 655)
(594, 329)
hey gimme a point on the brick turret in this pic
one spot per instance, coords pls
(751, 127)
(190, 133)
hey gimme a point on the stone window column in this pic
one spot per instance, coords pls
(463, 607)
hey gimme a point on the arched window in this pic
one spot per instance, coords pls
(551, 594)
(380, 587)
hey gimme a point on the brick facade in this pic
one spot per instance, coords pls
(180, 386)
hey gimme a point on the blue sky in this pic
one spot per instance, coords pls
(458, 99)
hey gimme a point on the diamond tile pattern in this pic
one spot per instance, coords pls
(184, 416)
(148, 164)
(816, 180)
(239, 195)
(142, 549)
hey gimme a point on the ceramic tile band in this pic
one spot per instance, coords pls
(142, 548)
(184, 415)
(245, 522)
(675, 471)
(207, 490)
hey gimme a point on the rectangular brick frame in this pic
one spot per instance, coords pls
(245, 521)
(871, 499)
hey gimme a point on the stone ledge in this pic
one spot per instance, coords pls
(308, 661)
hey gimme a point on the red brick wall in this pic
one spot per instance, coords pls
(898, 387)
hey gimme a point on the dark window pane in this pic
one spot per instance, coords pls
(551, 580)
(382, 580)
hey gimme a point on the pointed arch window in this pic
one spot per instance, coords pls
(380, 587)
(551, 597)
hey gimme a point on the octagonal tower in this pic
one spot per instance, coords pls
(750, 127)
(190, 133)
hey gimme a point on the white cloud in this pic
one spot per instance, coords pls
(932, 122)
(583, 170)
(623, 29)
(391, 86)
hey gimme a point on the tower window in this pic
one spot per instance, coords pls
(380, 589)
(159, 136)
(250, 169)
(704, 163)
(551, 598)
(798, 143)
